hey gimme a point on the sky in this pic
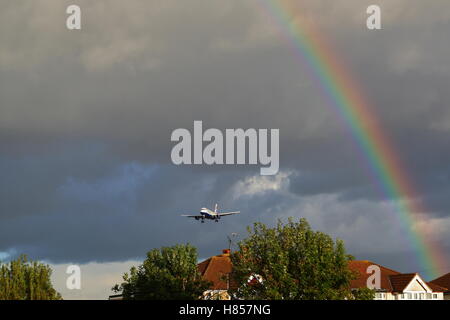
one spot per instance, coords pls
(86, 118)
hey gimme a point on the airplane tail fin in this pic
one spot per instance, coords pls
(215, 208)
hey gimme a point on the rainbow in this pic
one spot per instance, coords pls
(356, 112)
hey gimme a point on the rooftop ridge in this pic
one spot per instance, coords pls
(443, 281)
(441, 277)
(371, 262)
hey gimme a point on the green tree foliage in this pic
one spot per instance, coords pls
(169, 273)
(363, 294)
(24, 279)
(292, 262)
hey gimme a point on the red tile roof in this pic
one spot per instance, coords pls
(437, 288)
(391, 280)
(360, 268)
(400, 281)
(216, 269)
(443, 282)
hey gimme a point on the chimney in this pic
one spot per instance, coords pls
(226, 251)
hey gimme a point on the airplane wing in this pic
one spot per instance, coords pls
(191, 216)
(227, 213)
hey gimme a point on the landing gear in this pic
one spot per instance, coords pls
(203, 220)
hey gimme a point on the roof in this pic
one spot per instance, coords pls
(437, 288)
(391, 280)
(443, 282)
(400, 281)
(360, 268)
(216, 270)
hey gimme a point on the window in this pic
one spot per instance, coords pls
(435, 296)
(380, 296)
(415, 296)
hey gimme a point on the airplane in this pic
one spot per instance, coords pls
(205, 213)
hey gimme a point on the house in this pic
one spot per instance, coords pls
(394, 285)
(217, 269)
(444, 281)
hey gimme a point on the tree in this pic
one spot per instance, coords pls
(169, 273)
(291, 261)
(24, 279)
(363, 294)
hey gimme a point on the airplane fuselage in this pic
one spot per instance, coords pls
(208, 214)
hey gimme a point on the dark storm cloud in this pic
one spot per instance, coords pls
(86, 119)
(108, 217)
